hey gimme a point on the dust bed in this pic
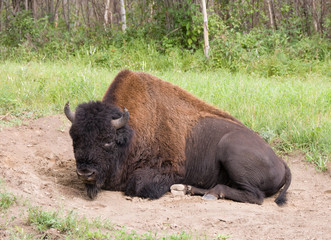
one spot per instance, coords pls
(37, 163)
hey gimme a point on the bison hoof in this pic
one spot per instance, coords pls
(179, 189)
(209, 196)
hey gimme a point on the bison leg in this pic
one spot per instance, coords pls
(203, 192)
(148, 183)
(182, 189)
(220, 191)
(223, 191)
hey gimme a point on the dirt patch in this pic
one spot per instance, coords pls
(37, 162)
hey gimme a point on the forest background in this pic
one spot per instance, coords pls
(267, 37)
(281, 48)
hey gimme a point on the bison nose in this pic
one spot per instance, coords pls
(86, 174)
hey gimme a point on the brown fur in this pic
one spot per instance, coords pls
(169, 111)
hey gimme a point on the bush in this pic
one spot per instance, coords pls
(268, 53)
(154, 47)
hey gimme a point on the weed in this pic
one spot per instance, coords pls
(6, 199)
(44, 220)
(221, 236)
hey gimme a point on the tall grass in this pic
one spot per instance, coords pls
(289, 112)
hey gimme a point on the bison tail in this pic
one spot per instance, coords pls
(281, 199)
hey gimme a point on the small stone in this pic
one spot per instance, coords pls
(209, 197)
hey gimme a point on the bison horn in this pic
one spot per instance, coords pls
(120, 122)
(70, 115)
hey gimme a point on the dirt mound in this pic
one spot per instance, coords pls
(37, 162)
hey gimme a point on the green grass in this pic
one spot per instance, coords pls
(289, 112)
(6, 200)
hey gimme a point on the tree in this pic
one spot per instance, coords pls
(106, 18)
(271, 14)
(123, 17)
(1, 4)
(205, 28)
(174, 16)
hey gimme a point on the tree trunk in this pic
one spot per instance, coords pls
(205, 28)
(305, 23)
(34, 9)
(77, 6)
(68, 15)
(6, 19)
(271, 15)
(16, 7)
(325, 12)
(51, 10)
(315, 17)
(253, 14)
(64, 12)
(94, 8)
(112, 12)
(1, 3)
(123, 17)
(106, 18)
(88, 13)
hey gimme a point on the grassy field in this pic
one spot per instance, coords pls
(291, 113)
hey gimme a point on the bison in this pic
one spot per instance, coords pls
(170, 139)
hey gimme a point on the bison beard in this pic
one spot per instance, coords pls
(171, 138)
(92, 190)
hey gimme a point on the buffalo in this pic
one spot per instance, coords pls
(147, 136)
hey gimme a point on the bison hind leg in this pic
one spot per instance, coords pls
(182, 189)
(251, 195)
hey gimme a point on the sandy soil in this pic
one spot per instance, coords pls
(37, 162)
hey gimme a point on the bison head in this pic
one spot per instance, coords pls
(101, 136)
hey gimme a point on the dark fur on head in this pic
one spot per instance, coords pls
(98, 146)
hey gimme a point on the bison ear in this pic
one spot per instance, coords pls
(122, 138)
(122, 121)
